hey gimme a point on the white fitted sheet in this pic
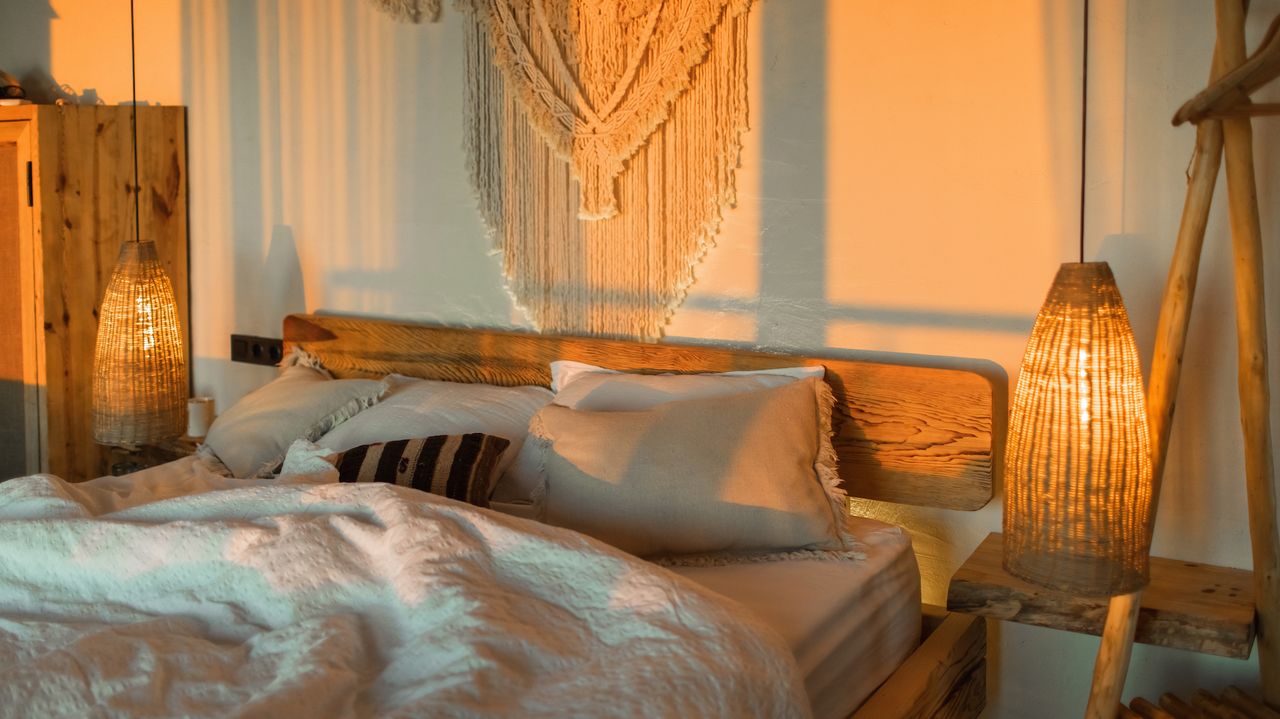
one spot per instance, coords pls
(849, 624)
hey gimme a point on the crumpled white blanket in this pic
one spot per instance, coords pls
(278, 599)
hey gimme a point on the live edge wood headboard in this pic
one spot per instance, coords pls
(905, 434)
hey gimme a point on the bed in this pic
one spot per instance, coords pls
(856, 640)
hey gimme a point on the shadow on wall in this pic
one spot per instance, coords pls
(25, 49)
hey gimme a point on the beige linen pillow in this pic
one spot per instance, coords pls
(750, 472)
(301, 403)
(584, 386)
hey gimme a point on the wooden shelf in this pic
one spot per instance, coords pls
(1199, 607)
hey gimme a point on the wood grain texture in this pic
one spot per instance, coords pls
(1125, 712)
(1214, 707)
(1179, 293)
(1147, 710)
(1246, 703)
(945, 678)
(1112, 663)
(1198, 607)
(1231, 90)
(1178, 708)
(21, 449)
(83, 177)
(1251, 333)
(913, 435)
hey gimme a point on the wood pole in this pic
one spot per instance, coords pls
(1179, 293)
(1112, 664)
(1251, 333)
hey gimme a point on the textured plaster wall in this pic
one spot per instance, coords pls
(909, 186)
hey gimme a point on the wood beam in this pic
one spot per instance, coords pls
(1251, 334)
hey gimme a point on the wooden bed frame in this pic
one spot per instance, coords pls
(905, 434)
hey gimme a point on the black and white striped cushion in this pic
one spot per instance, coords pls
(459, 467)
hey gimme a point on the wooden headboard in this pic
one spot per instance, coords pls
(906, 434)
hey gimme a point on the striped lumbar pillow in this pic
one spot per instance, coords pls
(459, 466)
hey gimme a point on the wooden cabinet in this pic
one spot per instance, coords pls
(66, 204)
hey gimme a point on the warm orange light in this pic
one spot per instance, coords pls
(139, 371)
(1077, 464)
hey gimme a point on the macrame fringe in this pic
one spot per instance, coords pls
(827, 465)
(659, 183)
(414, 11)
(353, 407)
(299, 357)
(209, 460)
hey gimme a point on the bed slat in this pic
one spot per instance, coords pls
(946, 678)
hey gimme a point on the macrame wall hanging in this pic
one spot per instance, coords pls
(602, 139)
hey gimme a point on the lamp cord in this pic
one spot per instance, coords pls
(1084, 116)
(137, 189)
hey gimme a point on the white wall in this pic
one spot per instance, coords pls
(910, 185)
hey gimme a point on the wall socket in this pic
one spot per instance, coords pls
(256, 350)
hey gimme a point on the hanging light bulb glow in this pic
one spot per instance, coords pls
(1077, 461)
(139, 371)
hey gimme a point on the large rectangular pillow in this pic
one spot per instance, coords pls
(303, 402)
(750, 472)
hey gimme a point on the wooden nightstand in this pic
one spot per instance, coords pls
(149, 455)
(1199, 607)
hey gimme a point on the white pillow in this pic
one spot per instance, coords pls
(250, 439)
(426, 408)
(750, 472)
(587, 387)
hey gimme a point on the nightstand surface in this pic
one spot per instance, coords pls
(1199, 607)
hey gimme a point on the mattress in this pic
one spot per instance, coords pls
(849, 623)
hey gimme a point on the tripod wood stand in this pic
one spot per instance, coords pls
(1222, 114)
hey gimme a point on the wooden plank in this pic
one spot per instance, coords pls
(1213, 707)
(1198, 607)
(83, 177)
(944, 678)
(908, 434)
(1251, 354)
(1178, 708)
(1247, 704)
(1147, 710)
(20, 435)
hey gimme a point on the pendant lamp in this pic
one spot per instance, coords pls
(139, 371)
(1077, 460)
(1077, 509)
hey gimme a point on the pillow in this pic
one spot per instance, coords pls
(584, 386)
(423, 408)
(460, 467)
(252, 436)
(751, 472)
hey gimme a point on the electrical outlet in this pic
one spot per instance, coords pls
(256, 350)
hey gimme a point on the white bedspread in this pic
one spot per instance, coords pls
(302, 599)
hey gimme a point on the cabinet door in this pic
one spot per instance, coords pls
(21, 423)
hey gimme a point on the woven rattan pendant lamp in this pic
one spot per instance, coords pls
(139, 372)
(1077, 462)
